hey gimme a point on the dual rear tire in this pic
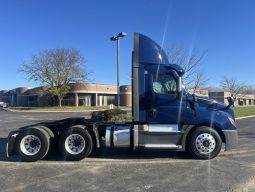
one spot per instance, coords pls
(32, 144)
(75, 144)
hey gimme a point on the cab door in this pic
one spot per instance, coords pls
(164, 102)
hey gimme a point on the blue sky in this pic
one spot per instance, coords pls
(225, 29)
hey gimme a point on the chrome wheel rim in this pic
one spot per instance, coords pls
(205, 143)
(74, 144)
(30, 145)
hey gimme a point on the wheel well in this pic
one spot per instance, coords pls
(219, 131)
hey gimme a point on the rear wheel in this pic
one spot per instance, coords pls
(204, 143)
(75, 144)
(32, 144)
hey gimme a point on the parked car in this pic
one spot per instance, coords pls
(3, 105)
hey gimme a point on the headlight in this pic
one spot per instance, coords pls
(232, 121)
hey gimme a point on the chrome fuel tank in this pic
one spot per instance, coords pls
(117, 136)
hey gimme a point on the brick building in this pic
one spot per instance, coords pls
(241, 99)
(79, 95)
(222, 96)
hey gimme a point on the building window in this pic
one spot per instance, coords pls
(68, 100)
(105, 100)
(32, 100)
(84, 100)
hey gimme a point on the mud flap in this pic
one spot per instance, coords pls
(231, 137)
(10, 144)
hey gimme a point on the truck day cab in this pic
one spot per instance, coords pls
(165, 116)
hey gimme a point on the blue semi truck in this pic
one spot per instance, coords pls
(164, 116)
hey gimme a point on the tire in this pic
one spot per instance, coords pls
(75, 144)
(47, 130)
(32, 144)
(204, 143)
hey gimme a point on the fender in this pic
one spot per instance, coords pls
(186, 130)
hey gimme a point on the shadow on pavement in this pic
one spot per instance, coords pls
(120, 154)
(140, 154)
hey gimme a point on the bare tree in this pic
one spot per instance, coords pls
(231, 85)
(199, 81)
(190, 62)
(55, 69)
(213, 88)
(248, 89)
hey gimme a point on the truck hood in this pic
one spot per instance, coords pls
(210, 103)
(213, 105)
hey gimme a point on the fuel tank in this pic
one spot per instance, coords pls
(117, 136)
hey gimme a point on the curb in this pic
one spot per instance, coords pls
(34, 111)
(245, 117)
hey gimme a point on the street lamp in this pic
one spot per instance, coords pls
(116, 38)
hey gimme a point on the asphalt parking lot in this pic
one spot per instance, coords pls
(124, 171)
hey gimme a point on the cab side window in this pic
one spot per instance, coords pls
(164, 83)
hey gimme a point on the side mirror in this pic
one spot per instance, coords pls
(179, 81)
(231, 102)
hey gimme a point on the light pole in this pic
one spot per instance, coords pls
(116, 38)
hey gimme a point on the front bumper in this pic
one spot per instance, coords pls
(231, 139)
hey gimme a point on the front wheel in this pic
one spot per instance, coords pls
(204, 143)
(75, 144)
